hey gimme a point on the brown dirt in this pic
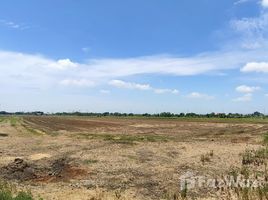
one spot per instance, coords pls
(76, 157)
(59, 170)
(69, 124)
(19, 170)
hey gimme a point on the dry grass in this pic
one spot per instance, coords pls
(134, 158)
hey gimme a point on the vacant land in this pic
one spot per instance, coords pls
(125, 158)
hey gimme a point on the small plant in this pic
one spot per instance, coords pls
(245, 172)
(118, 194)
(234, 172)
(255, 157)
(184, 191)
(211, 153)
(14, 121)
(265, 138)
(7, 192)
(206, 157)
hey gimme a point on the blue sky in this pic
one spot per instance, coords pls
(134, 56)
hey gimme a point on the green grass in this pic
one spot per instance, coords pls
(7, 192)
(265, 138)
(126, 139)
(14, 120)
(31, 130)
(3, 119)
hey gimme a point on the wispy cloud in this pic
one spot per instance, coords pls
(85, 49)
(163, 91)
(128, 85)
(25, 70)
(33, 69)
(241, 2)
(247, 89)
(244, 98)
(197, 95)
(77, 83)
(13, 25)
(138, 86)
(253, 31)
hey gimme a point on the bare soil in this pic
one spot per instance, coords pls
(119, 158)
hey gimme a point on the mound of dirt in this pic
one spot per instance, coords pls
(58, 170)
(19, 170)
(62, 170)
(58, 167)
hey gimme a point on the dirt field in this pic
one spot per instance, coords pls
(120, 158)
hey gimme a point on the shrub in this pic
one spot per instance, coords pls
(7, 192)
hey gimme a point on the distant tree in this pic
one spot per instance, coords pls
(166, 114)
(257, 114)
(181, 115)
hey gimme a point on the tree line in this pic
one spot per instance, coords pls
(162, 114)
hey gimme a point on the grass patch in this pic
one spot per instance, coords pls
(126, 139)
(247, 192)
(265, 138)
(14, 121)
(2, 119)
(90, 161)
(31, 130)
(7, 192)
(206, 157)
(255, 157)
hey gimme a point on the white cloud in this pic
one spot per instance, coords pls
(36, 68)
(163, 91)
(28, 70)
(66, 64)
(247, 89)
(63, 64)
(245, 98)
(128, 85)
(197, 95)
(255, 67)
(264, 3)
(266, 95)
(77, 83)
